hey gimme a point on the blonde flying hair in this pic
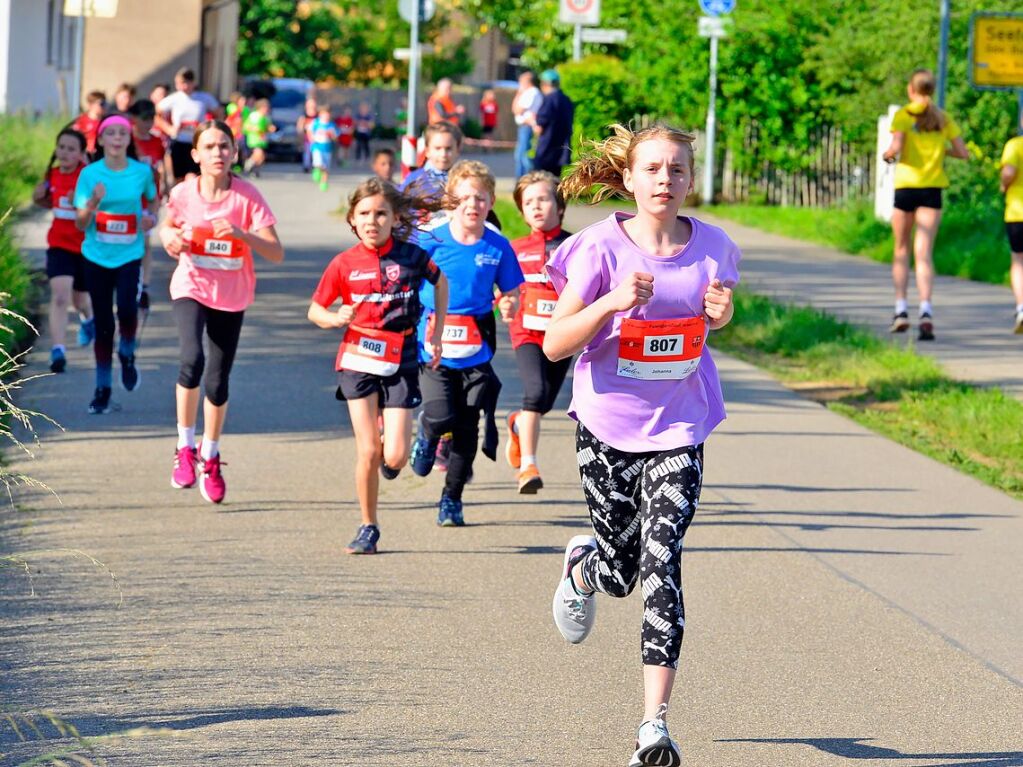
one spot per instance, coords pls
(931, 119)
(468, 169)
(603, 163)
(408, 208)
(538, 177)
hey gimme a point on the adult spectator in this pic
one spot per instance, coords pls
(553, 125)
(185, 109)
(441, 107)
(525, 106)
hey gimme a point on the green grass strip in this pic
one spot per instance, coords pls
(893, 391)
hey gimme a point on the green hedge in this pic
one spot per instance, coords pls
(603, 92)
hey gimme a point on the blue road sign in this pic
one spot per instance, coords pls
(717, 7)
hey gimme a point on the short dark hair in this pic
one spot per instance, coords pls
(443, 127)
(93, 97)
(385, 150)
(185, 73)
(143, 109)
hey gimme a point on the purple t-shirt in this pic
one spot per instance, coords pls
(638, 415)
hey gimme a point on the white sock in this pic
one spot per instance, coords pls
(901, 305)
(209, 448)
(186, 436)
(926, 308)
(515, 424)
(1019, 308)
(528, 460)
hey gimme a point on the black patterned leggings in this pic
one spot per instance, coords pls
(641, 505)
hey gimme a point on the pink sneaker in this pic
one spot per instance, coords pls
(212, 486)
(184, 468)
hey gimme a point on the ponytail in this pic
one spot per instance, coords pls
(929, 118)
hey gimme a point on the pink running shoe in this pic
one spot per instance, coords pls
(184, 468)
(212, 485)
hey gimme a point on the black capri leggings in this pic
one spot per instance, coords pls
(222, 329)
(541, 378)
(105, 286)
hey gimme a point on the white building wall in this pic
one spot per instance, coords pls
(5, 39)
(40, 47)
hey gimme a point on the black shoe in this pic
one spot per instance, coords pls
(387, 472)
(144, 300)
(900, 323)
(926, 328)
(130, 376)
(100, 401)
(58, 362)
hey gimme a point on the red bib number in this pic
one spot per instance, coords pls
(538, 302)
(220, 253)
(64, 210)
(370, 351)
(461, 338)
(116, 228)
(660, 349)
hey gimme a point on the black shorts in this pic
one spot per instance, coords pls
(487, 130)
(1015, 231)
(911, 199)
(181, 159)
(400, 390)
(541, 378)
(66, 263)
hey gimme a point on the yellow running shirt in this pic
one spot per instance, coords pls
(1013, 155)
(922, 162)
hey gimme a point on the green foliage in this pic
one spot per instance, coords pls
(603, 92)
(894, 391)
(512, 225)
(343, 41)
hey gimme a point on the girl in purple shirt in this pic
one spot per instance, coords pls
(638, 295)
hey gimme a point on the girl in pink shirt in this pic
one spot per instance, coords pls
(215, 223)
(638, 295)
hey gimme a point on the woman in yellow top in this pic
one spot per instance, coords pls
(920, 136)
(1012, 187)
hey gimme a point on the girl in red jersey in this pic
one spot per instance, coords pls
(345, 133)
(543, 207)
(64, 266)
(378, 283)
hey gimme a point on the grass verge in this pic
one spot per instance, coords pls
(893, 391)
(512, 225)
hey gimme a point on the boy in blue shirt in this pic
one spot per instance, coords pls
(324, 134)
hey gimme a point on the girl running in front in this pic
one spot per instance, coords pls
(920, 135)
(542, 206)
(1011, 184)
(64, 265)
(475, 258)
(378, 282)
(215, 222)
(108, 199)
(637, 296)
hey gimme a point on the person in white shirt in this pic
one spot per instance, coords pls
(184, 109)
(525, 106)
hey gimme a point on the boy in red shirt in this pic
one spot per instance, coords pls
(151, 150)
(87, 123)
(488, 116)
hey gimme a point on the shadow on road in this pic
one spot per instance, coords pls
(855, 748)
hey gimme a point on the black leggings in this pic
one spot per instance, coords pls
(222, 329)
(452, 402)
(641, 505)
(361, 145)
(103, 285)
(541, 378)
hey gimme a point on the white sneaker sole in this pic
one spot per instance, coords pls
(662, 753)
(576, 541)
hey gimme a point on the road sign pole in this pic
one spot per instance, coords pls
(943, 55)
(413, 73)
(577, 43)
(708, 162)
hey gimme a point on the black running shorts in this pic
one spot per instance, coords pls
(911, 199)
(400, 390)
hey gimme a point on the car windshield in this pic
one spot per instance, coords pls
(287, 99)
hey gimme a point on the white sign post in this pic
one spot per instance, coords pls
(713, 27)
(884, 177)
(414, 12)
(579, 13)
(605, 36)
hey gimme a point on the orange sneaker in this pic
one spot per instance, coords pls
(529, 480)
(512, 450)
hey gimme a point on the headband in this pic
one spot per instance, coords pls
(113, 120)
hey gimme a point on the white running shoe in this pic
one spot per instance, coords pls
(574, 614)
(654, 747)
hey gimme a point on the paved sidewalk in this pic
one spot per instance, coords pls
(849, 601)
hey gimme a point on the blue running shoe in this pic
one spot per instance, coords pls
(424, 451)
(449, 513)
(86, 332)
(365, 540)
(57, 360)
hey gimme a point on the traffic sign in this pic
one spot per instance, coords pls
(996, 51)
(713, 26)
(606, 36)
(580, 12)
(717, 7)
(404, 54)
(427, 9)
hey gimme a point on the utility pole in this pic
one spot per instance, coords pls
(943, 55)
(708, 162)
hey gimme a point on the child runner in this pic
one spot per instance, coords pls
(637, 296)
(1011, 183)
(183, 110)
(257, 127)
(236, 113)
(108, 198)
(124, 97)
(214, 224)
(151, 149)
(920, 135)
(345, 132)
(64, 266)
(475, 258)
(537, 197)
(383, 164)
(378, 282)
(488, 116)
(365, 122)
(87, 123)
(443, 145)
(304, 126)
(324, 134)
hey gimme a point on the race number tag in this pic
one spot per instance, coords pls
(538, 302)
(116, 228)
(220, 253)
(370, 351)
(660, 349)
(460, 339)
(64, 210)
